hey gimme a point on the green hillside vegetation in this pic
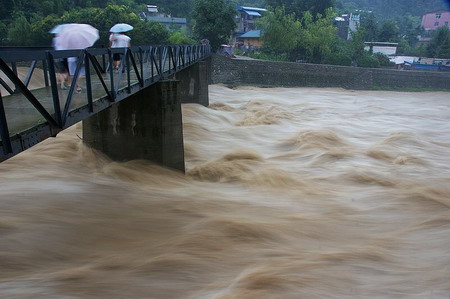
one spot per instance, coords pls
(388, 9)
(308, 34)
(294, 30)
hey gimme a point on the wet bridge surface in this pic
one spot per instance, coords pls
(29, 115)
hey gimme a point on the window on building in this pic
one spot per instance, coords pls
(446, 23)
(438, 16)
(436, 24)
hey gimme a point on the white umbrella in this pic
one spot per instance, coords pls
(121, 27)
(77, 36)
(57, 29)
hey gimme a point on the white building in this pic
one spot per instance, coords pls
(388, 49)
(171, 23)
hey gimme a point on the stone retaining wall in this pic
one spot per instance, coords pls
(235, 72)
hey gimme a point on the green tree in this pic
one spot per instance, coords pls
(281, 31)
(149, 33)
(340, 53)
(444, 49)
(318, 36)
(181, 37)
(389, 32)
(40, 29)
(299, 7)
(3, 32)
(214, 20)
(102, 19)
(439, 43)
(6, 8)
(370, 25)
(409, 27)
(19, 32)
(356, 46)
(311, 39)
(388, 9)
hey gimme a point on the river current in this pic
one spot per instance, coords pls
(289, 193)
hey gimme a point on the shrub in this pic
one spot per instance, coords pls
(264, 56)
(367, 61)
(382, 59)
(339, 59)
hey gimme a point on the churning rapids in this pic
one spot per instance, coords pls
(289, 193)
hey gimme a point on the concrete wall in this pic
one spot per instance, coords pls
(235, 72)
(194, 82)
(147, 125)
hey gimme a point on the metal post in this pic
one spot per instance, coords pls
(127, 65)
(151, 62)
(4, 131)
(14, 69)
(111, 75)
(45, 70)
(54, 86)
(141, 57)
(160, 61)
(88, 81)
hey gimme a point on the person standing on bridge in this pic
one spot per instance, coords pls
(61, 66)
(77, 37)
(119, 40)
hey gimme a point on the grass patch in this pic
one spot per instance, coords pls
(411, 89)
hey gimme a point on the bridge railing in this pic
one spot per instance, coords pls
(56, 108)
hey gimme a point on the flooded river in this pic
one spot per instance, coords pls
(289, 193)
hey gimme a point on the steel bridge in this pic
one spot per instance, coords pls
(30, 115)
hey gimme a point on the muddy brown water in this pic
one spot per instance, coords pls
(289, 193)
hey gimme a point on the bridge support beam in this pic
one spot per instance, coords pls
(194, 82)
(147, 125)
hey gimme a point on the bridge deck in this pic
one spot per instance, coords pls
(21, 115)
(29, 116)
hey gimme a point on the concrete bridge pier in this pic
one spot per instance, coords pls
(147, 125)
(194, 82)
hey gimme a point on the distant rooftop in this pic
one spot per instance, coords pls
(152, 8)
(381, 43)
(167, 20)
(252, 33)
(250, 8)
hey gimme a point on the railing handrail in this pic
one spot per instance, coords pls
(148, 63)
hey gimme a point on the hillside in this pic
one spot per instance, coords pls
(387, 9)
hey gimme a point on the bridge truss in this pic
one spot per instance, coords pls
(28, 116)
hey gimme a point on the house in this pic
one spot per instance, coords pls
(171, 23)
(386, 48)
(250, 40)
(432, 21)
(346, 25)
(245, 20)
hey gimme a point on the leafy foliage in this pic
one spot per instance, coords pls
(367, 61)
(300, 7)
(281, 31)
(318, 36)
(149, 33)
(388, 9)
(180, 37)
(102, 18)
(213, 20)
(382, 59)
(388, 32)
(338, 59)
(439, 45)
(20, 31)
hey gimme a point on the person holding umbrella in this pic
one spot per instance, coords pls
(74, 37)
(61, 65)
(118, 39)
